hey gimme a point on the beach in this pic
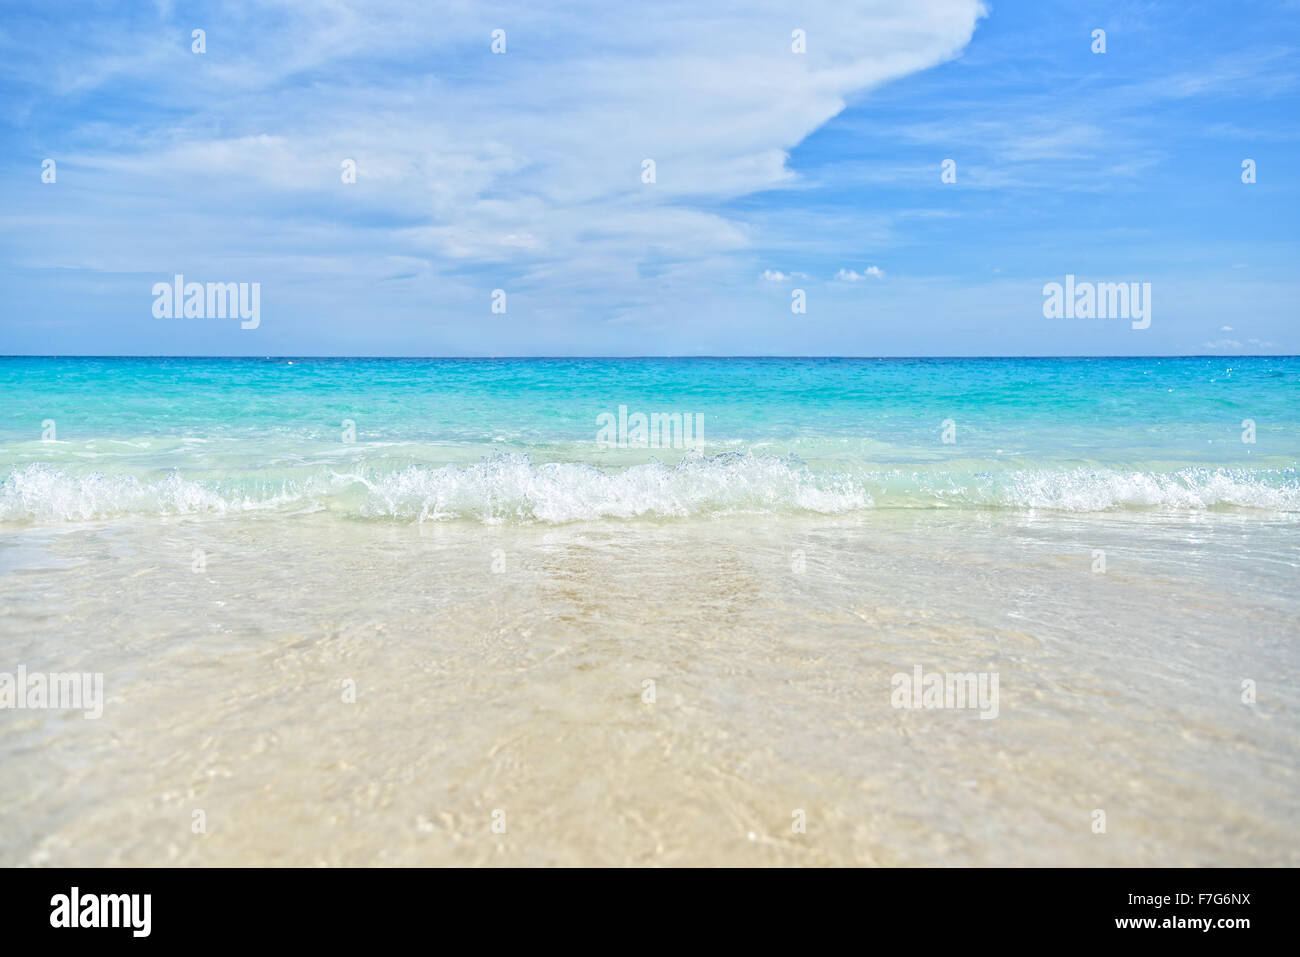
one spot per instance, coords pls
(474, 632)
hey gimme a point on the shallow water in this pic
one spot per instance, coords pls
(499, 587)
(522, 691)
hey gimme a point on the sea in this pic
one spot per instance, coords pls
(652, 611)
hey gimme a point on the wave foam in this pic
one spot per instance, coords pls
(510, 489)
(43, 494)
(1087, 490)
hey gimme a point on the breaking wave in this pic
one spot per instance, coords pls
(510, 489)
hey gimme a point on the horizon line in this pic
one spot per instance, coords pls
(502, 358)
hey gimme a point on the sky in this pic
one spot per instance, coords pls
(799, 154)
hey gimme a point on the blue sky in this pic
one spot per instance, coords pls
(775, 171)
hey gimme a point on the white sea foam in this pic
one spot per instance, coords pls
(1092, 490)
(510, 489)
(43, 494)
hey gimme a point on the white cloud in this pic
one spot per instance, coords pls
(475, 171)
(528, 157)
(850, 275)
(1236, 345)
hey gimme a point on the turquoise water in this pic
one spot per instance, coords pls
(500, 583)
(519, 440)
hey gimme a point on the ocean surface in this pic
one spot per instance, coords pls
(516, 441)
(376, 612)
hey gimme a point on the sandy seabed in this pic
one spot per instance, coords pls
(503, 710)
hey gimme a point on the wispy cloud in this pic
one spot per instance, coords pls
(527, 171)
(850, 275)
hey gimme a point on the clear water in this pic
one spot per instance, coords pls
(498, 587)
(516, 440)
